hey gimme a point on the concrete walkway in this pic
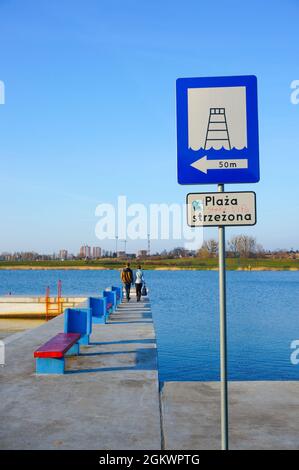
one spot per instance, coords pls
(108, 399)
(262, 415)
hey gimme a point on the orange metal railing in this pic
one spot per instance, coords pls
(54, 308)
(47, 300)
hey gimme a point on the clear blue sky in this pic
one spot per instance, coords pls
(90, 109)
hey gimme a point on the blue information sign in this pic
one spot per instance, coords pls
(217, 130)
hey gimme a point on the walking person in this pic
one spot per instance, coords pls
(139, 280)
(127, 279)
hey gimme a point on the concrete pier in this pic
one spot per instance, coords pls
(108, 399)
(262, 415)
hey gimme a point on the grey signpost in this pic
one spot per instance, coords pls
(237, 208)
(217, 142)
(223, 340)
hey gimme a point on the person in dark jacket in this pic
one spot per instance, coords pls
(127, 279)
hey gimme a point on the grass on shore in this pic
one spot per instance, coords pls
(180, 263)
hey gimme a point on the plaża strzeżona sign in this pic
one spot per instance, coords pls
(214, 209)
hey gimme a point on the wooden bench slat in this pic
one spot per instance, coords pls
(58, 345)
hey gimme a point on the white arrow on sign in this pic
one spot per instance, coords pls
(203, 164)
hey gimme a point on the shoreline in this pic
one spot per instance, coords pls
(158, 268)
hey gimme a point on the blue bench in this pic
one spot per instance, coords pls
(98, 306)
(49, 358)
(119, 294)
(78, 321)
(111, 300)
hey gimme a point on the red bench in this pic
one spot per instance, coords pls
(49, 357)
(108, 307)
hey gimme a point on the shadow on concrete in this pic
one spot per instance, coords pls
(127, 341)
(128, 321)
(106, 353)
(129, 311)
(135, 305)
(132, 314)
(146, 359)
(146, 314)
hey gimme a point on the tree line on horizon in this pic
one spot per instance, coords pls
(238, 246)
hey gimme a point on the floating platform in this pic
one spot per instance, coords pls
(34, 307)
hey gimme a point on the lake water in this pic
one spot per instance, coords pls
(263, 317)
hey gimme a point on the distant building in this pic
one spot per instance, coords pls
(5, 256)
(96, 252)
(85, 251)
(124, 255)
(63, 254)
(142, 253)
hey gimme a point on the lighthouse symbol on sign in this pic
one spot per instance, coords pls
(217, 131)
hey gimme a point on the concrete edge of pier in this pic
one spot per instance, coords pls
(262, 415)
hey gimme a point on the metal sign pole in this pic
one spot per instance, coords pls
(223, 348)
(195, 103)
